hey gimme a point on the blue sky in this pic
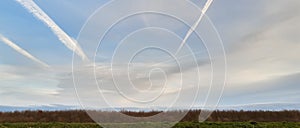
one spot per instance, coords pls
(260, 39)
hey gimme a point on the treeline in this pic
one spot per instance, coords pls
(79, 116)
(44, 116)
(259, 116)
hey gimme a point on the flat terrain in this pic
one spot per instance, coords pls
(158, 125)
(218, 119)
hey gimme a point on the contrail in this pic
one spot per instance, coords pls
(62, 36)
(22, 51)
(206, 6)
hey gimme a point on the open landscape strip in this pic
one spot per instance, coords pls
(80, 116)
(138, 125)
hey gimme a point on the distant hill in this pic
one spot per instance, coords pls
(265, 106)
(247, 107)
(33, 108)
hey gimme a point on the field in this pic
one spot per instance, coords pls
(218, 119)
(158, 125)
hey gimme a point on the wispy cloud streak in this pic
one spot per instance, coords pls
(205, 8)
(22, 51)
(68, 41)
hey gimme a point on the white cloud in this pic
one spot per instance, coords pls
(269, 52)
(22, 51)
(263, 66)
(68, 41)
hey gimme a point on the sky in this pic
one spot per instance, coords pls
(260, 38)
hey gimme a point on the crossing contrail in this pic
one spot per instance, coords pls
(192, 29)
(62, 36)
(22, 51)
